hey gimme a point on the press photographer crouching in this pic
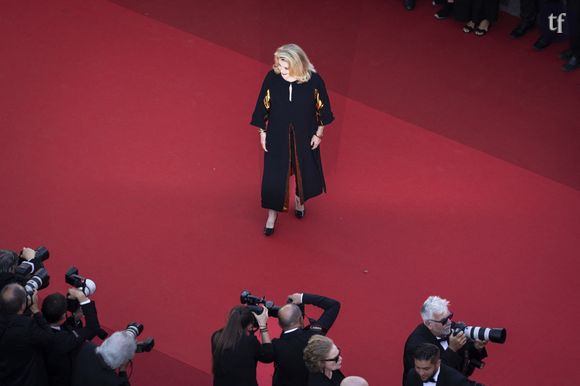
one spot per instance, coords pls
(106, 365)
(235, 349)
(22, 339)
(69, 333)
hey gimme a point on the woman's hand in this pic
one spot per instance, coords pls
(263, 140)
(262, 319)
(315, 141)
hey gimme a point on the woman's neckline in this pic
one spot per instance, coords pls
(287, 81)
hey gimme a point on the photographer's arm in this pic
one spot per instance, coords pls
(264, 352)
(330, 306)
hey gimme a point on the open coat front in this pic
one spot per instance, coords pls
(291, 112)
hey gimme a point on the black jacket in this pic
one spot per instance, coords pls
(22, 339)
(447, 377)
(91, 370)
(289, 367)
(319, 379)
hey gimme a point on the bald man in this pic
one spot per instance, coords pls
(289, 367)
(354, 381)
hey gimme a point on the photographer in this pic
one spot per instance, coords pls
(236, 351)
(456, 351)
(105, 365)
(69, 334)
(429, 369)
(290, 368)
(8, 262)
(22, 339)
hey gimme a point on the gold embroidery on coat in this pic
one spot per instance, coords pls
(267, 100)
(318, 105)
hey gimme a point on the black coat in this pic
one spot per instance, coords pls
(90, 370)
(453, 359)
(22, 339)
(238, 367)
(290, 126)
(447, 377)
(289, 367)
(59, 357)
(319, 379)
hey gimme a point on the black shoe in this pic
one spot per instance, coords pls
(572, 64)
(444, 12)
(270, 231)
(521, 30)
(542, 43)
(409, 4)
(299, 213)
(566, 55)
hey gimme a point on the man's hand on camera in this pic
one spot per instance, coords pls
(34, 305)
(295, 298)
(479, 344)
(28, 253)
(457, 341)
(262, 319)
(75, 293)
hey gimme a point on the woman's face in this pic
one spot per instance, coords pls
(284, 67)
(333, 360)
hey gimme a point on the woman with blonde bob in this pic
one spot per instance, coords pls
(323, 360)
(291, 113)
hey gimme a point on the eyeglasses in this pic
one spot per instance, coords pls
(444, 320)
(335, 359)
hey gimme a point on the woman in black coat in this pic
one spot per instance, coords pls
(323, 360)
(236, 351)
(291, 112)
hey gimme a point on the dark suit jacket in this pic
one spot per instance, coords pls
(90, 370)
(60, 356)
(453, 359)
(22, 339)
(289, 367)
(319, 379)
(447, 377)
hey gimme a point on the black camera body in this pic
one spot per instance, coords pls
(495, 335)
(32, 274)
(73, 278)
(253, 302)
(142, 346)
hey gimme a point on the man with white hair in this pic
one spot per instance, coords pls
(456, 351)
(106, 364)
(354, 381)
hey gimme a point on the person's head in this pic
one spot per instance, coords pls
(354, 381)
(54, 308)
(436, 316)
(118, 349)
(322, 354)
(13, 299)
(291, 60)
(8, 260)
(240, 321)
(289, 317)
(427, 360)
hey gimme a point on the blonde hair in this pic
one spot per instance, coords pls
(316, 351)
(298, 63)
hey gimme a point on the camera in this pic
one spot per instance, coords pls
(253, 303)
(26, 269)
(73, 278)
(39, 280)
(496, 335)
(143, 346)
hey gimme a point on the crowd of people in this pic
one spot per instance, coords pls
(305, 356)
(553, 18)
(50, 344)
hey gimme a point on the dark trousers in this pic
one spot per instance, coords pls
(476, 10)
(573, 16)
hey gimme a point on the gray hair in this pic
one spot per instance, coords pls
(354, 381)
(118, 349)
(8, 260)
(434, 304)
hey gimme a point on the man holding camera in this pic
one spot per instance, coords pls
(69, 334)
(105, 365)
(289, 367)
(8, 263)
(430, 371)
(22, 339)
(456, 351)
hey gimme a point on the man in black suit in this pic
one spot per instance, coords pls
(429, 371)
(106, 364)
(22, 339)
(289, 367)
(456, 351)
(68, 334)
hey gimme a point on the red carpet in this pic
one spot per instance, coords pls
(452, 169)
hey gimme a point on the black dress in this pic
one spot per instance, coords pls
(319, 379)
(238, 367)
(291, 112)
